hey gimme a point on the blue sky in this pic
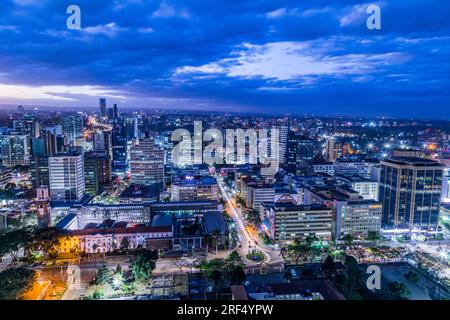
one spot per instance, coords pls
(315, 57)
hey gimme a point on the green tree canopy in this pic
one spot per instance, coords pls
(15, 282)
(144, 264)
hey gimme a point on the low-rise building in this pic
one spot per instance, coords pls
(102, 240)
(194, 188)
(288, 221)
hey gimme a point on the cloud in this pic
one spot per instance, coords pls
(295, 60)
(54, 93)
(111, 29)
(167, 11)
(287, 55)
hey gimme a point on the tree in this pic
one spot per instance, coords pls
(144, 264)
(329, 267)
(12, 241)
(234, 256)
(350, 261)
(98, 294)
(412, 277)
(307, 274)
(15, 282)
(216, 278)
(373, 236)
(46, 241)
(117, 278)
(103, 275)
(399, 289)
(124, 244)
(238, 275)
(348, 239)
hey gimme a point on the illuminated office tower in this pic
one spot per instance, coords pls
(146, 162)
(97, 171)
(15, 150)
(102, 103)
(410, 191)
(73, 128)
(333, 150)
(119, 148)
(67, 181)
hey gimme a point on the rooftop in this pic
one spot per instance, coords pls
(414, 161)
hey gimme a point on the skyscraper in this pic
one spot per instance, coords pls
(73, 128)
(282, 145)
(410, 190)
(97, 171)
(102, 103)
(115, 111)
(291, 153)
(146, 162)
(14, 150)
(306, 151)
(119, 147)
(67, 182)
(102, 142)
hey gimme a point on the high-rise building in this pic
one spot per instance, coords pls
(102, 142)
(15, 150)
(73, 128)
(102, 104)
(146, 162)
(67, 181)
(291, 153)
(43, 209)
(27, 125)
(410, 190)
(39, 171)
(306, 151)
(282, 145)
(119, 148)
(115, 111)
(97, 171)
(446, 185)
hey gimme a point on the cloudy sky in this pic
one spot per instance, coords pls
(315, 57)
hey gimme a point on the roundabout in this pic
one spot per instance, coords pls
(255, 256)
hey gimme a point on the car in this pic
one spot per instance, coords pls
(193, 291)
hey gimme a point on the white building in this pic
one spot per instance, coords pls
(366, 188)
(67, 181)
(288, 221)
(327, 168)
(256, 192)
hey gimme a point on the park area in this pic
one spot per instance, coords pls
(417, 284)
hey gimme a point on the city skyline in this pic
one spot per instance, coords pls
(285, 57)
